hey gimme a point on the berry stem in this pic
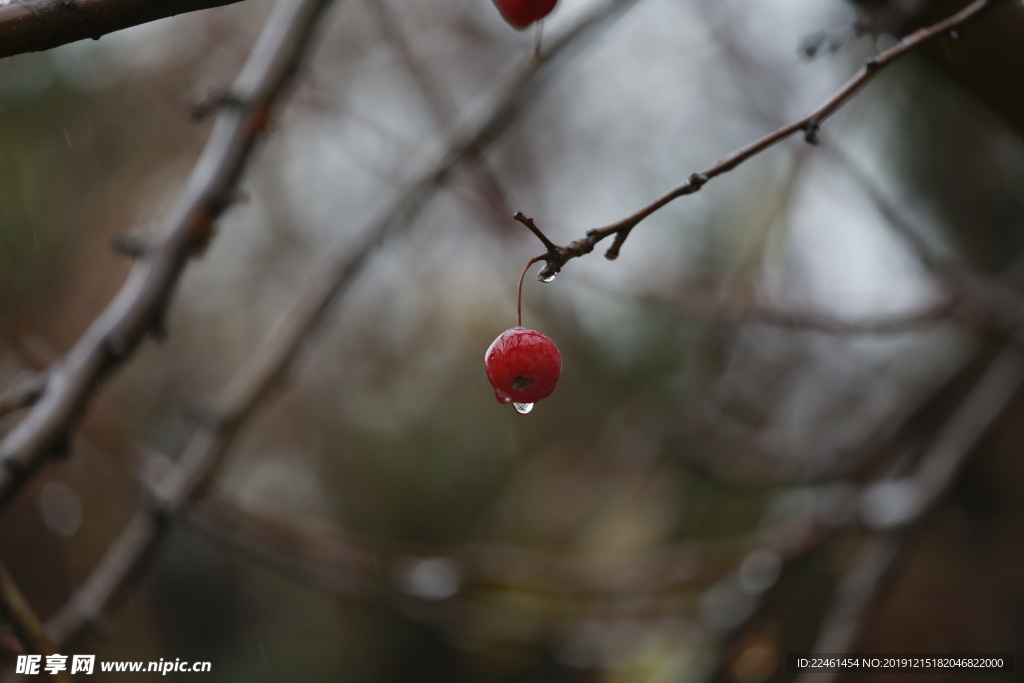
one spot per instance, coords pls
(519, 298)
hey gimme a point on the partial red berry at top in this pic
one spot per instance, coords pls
(522, 13)
(523, 366)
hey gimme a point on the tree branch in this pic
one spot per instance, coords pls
(491, 202)
(140, 306)
(979, 300)
(738, 306)
(254, 381)
(854, 595)
(26, 624)
(502, 565)
(809, 125)
(23, 392)
(905, 500)
(892, 507)
(35, 25)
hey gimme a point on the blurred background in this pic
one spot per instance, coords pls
(758, 442)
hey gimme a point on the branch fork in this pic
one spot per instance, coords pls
(810, 125)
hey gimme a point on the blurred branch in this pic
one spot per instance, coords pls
(981, 64)
(895, 505)
(274, 60)
(495, 204)
(891, 507)
(509, 567)
(912, 497)
(360, 568)
(34, 25)
(440, 106)
(740, 461)
(26, 624)
(23, 392)
(911, 234)
(854, 595)
(976, 299)
(809, 125)
(265, 368)
(140, 306)
(737, 306)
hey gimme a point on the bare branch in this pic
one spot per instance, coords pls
(809, 125)
(34, 25)
(349, 564)
(854, 595)
(23, 392)
(140, 306)
(898, 502)
(528, 222)
(742, 462)
(261, 372)
(26, 624)
(493, 203)
(507, 566)
(738, 307)
(986, 302)
(893, 506)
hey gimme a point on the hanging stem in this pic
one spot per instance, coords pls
(519, 299)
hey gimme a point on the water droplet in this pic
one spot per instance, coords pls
(503, 398)
(549, 278)
(523, 408)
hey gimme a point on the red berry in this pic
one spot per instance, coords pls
(523, 366)
(522, 13)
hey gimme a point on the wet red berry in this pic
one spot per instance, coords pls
(522, 13)
(523, 366)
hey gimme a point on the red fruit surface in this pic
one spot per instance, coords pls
(523, 366)
(522, 13)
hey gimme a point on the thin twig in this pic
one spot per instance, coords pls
(34, 25)
(528, 222)
(809, 125)
(261, 372)
(25, 622)
(140, 306)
